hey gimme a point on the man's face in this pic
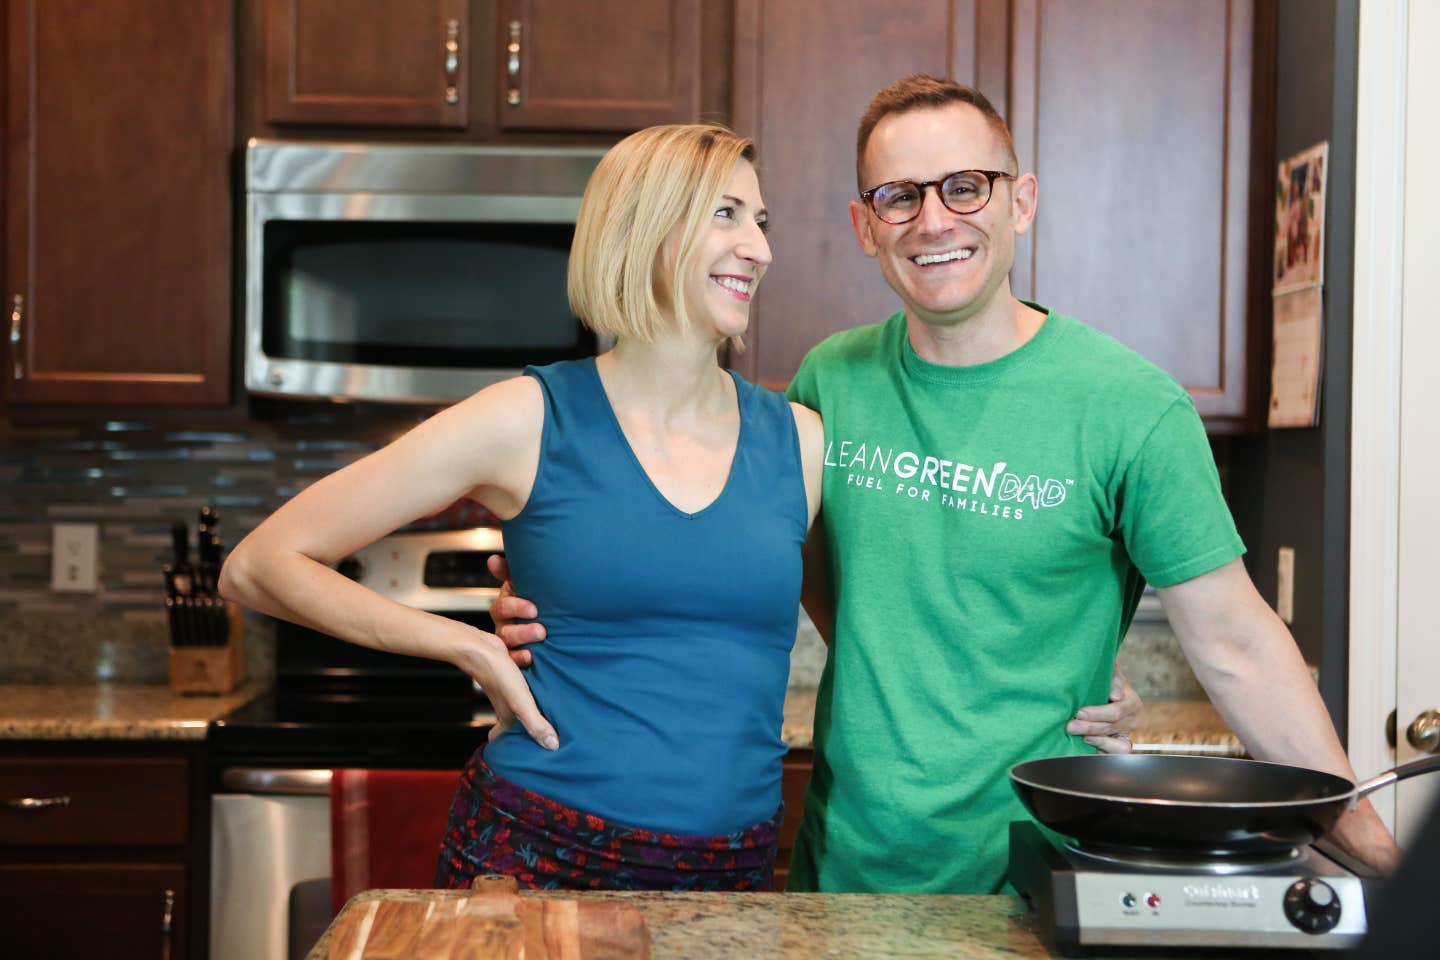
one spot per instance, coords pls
(975, 250)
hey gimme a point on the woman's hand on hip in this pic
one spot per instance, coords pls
(488, 663)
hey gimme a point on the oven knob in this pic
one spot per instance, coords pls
(1312, 906)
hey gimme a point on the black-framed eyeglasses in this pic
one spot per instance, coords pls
(965, 191)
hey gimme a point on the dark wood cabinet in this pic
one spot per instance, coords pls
(598, 64)
(79, 911)
(118, 133)
(804, 72)
(367, 62)
(104, 850)
(85, 790)
(794, 780)
(1149, 127)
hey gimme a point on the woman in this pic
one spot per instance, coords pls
(662, 693)
(656, 760)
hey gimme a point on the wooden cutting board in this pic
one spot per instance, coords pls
(493, 923)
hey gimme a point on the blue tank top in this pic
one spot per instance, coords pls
(668, 634)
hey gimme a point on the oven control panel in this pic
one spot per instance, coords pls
(435, 570)
(453, 569)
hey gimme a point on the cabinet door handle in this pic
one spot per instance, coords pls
(452, 60)
(17, 326)
(36, 803)
(166, 924)
(512, 64)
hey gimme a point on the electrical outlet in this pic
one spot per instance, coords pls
(74, 557)
(1285, 585)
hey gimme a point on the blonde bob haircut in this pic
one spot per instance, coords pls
(649, 185)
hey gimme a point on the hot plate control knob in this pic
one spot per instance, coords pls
(1312, 906)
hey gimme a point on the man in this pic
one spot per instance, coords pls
(1008, 480)
(1000, 483)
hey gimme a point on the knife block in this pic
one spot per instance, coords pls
(217, 669)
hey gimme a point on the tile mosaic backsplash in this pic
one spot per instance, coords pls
(133, 478)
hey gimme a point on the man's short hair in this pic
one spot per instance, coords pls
(921, 90)
(651, 183)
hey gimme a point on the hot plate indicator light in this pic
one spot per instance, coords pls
(1152, 900)
(1128, 900)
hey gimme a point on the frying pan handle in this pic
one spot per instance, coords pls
(1403, 772)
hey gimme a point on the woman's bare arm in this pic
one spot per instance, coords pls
(487, 448)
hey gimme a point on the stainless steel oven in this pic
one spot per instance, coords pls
(407, 273)
(336, 705)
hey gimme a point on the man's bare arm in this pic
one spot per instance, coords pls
(1249, 665)
(816, 593)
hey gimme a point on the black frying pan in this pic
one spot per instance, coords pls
(1190, 806)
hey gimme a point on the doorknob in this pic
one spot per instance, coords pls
(1424, 733)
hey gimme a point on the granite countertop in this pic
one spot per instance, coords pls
(1165, 726)
(798, 731)
(752, 926)
(111, 711)
(1185, 726)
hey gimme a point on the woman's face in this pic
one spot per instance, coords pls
(730, 258)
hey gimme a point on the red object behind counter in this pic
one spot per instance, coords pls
(385, 828)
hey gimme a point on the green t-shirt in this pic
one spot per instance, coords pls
(990, 530)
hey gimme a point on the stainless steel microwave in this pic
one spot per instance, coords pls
(407, 273)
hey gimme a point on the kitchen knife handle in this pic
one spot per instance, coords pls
(452, 60)
(37, 803)
(180, 542)
(172, 617)
(214, 622)
(167, 924)
(17, 329)
(512, 64)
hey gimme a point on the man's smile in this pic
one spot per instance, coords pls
(946, 256)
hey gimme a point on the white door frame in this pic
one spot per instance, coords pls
(1394, 527)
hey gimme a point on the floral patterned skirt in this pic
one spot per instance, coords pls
(496, 826)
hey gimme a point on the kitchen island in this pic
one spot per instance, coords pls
(782, 926)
